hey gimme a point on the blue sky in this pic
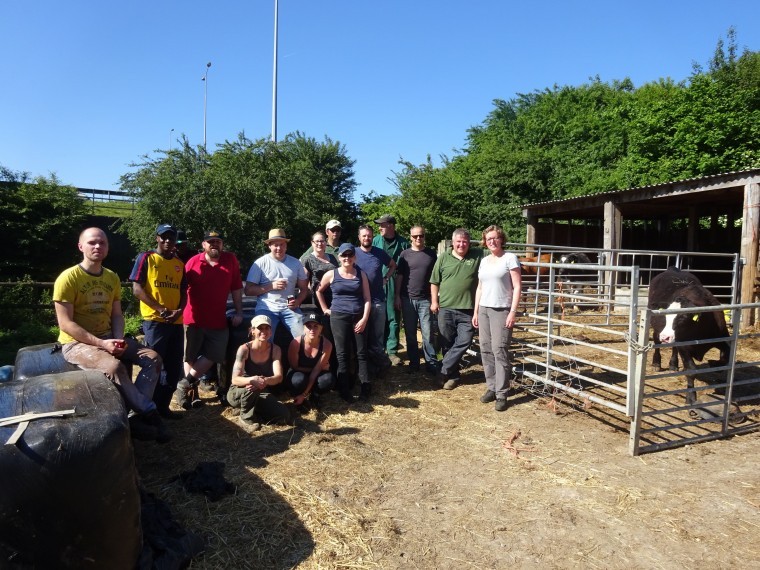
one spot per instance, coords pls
(89, 87)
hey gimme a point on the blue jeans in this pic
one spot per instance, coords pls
(456, 332)
(168, 340)
(418, 311)
(293, 319)
(495, 338)
(376, 336)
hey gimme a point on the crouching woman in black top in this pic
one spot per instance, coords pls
(309, 357)
(257, 367)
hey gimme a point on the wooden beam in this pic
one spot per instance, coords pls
(748, 252)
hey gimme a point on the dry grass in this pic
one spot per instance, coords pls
(435, 479)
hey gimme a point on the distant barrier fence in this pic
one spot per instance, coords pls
(117, 199)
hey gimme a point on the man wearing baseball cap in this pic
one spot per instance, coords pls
(211, 276)
(158, 281)
(333, 232)
(393, 244)
(273, 278)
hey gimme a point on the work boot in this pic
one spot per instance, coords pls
(501, 404)
(488, 396)
(182, 395)
(366, 391)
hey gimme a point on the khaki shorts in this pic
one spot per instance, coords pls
(210, 343)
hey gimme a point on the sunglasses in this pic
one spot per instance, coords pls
(418, 236)
(347, 255)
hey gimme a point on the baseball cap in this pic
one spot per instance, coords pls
(344, 247)
(386, 219)
(312, 318)
(165, 228)
(213, 234)
(333, 224)
(259, 320)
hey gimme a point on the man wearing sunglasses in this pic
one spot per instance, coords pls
(158, 281)
(415, 265)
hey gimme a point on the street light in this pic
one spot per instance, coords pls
(205, 98)
(274, 78)
(170, 139)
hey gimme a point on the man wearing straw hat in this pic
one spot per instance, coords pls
(273, 278)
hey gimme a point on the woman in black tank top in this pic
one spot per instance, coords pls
(309, 358)
(257, 366)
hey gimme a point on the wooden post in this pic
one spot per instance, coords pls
(613, 225)
(750, 223)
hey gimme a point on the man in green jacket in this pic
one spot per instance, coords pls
(393, 244)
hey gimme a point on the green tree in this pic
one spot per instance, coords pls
(243, 189)
(38, 214)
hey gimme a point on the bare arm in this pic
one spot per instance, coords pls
(141, 294)
(64, 312)
(478, 292)
(359, 327)
(237, 300)
(516, 275)
(323, 285)
(434, 298)
(303, 292)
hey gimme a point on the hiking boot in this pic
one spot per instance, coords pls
(366, 391)
(441, 378)
(488, 396)
(182, 394)
(501, 404)
(451, 383)
(207, 385)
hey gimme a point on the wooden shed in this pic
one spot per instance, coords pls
(718, 213)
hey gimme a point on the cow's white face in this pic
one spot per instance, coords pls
(668, 333)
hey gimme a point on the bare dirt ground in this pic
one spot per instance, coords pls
(425, 478)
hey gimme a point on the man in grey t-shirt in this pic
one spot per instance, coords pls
(273, 278)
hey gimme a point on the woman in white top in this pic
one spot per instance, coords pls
(496, 301)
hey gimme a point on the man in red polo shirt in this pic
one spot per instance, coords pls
(211, 276)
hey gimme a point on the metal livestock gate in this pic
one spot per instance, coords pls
(589, 347)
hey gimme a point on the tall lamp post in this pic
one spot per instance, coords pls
(205, 99)
(171, 134)
(274, 78)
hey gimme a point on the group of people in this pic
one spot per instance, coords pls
(360, 295)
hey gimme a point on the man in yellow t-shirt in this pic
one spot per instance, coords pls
(87, 300)
(158, 281)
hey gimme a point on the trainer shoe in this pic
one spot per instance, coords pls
(250, 426)
(451, 383)
(501, 404)
(488, 396)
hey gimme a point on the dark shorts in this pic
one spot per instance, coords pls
(210, 343)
